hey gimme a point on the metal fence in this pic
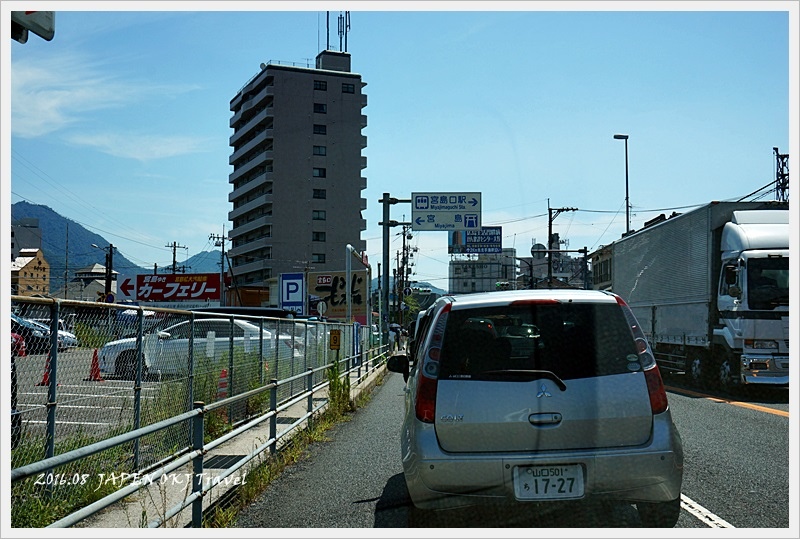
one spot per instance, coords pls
(94, 371)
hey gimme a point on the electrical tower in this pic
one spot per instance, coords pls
(781, 176)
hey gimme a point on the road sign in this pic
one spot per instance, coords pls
(446, 211)
(293, 292)
(41, 23)
(487, 239)
(336, 339)
(538, 251)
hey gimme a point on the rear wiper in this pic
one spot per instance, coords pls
(521, 374)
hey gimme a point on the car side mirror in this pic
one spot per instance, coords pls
(399, 363)
(735, 291)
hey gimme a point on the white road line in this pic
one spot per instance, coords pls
(707, 517)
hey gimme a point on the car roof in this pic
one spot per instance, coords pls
(506, 297)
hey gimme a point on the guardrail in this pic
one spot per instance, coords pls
(162, 433)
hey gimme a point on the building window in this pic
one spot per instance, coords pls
(321, 108)
(318, 258)
(318, 215)
(320, 129)
(320, 85)
(320, 172)
(320, 150)
(320, 193)
(348, 88)
(317, 236)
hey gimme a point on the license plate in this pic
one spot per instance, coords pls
(561, 481)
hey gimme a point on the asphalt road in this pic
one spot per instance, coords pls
(355, 480)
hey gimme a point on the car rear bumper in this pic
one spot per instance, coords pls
(437, 480)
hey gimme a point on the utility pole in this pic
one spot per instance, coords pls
(550, 251)
(387, 223)
(219, 241)
(109, 268)
(175, 247)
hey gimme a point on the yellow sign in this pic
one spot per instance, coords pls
(336, 339)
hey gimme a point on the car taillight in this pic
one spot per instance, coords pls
(652, 376)
(428, 381)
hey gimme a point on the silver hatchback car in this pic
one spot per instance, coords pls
(578, 413)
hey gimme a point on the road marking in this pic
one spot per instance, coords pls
(731, 402)
(704, 515)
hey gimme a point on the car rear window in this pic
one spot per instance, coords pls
(572, 340)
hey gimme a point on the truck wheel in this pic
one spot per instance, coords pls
(659, 515)
(700, 370)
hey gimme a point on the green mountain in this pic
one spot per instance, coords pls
(67, 247)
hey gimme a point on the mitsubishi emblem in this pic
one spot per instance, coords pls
(543, 392)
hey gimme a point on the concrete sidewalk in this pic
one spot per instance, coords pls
(152, 502)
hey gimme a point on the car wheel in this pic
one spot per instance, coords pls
(659, 515)
(125, 366)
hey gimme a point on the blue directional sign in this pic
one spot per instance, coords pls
(445, 211)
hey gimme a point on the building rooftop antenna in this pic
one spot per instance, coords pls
(344, 27)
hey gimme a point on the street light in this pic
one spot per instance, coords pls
(627, 200)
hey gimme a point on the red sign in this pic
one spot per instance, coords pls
(178, 287)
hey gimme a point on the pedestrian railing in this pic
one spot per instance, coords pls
(84, 403)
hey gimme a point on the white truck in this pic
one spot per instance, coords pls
(710, 288)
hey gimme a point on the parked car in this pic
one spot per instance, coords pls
(166, 351)
(584, 415)
(66, 339)
(37, 337)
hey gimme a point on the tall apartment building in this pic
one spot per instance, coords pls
(297, 165)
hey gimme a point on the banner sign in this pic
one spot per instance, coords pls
(178, 287)
(487, 239)
(330, 288)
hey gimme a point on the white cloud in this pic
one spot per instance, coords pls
(143, 147)
(51, 95)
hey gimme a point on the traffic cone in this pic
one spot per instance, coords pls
(94, 373)
(46, 376)
(222, 385)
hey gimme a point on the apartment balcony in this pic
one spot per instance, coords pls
(255, 224)
(363, 100)
(363, 205)
(267, 94)
(363, 141)
(257, 265)
(249, 247)
(250, 206)
(363, 224)
(363, 121)
(262, 180)
(363, 183)
(262, 117)
(363, 162)
(262, 139)
(245, 169)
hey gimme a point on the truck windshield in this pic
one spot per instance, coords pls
(767, 282)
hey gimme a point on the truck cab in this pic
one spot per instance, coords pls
(753, 300)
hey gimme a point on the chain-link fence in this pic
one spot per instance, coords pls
(90, 371)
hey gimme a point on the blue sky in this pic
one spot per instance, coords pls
(121, 122)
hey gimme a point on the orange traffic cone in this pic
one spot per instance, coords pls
(94, 373)
(46, 376)
(222, 385)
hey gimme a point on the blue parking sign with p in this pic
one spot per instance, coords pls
(293, 291)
